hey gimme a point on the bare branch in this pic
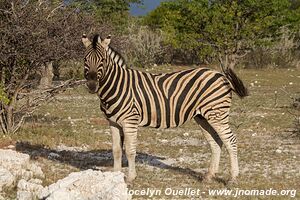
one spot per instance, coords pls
(52, 12)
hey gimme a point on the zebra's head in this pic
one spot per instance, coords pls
(95, 60)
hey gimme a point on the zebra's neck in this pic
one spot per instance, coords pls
(115, 69)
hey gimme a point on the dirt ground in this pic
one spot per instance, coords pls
(71, 134)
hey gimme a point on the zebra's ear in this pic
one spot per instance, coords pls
(85, 40)
(105, 43)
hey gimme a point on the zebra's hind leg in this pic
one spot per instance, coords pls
(221, 126)
(215, 145)
(117, 133)
(130, 133)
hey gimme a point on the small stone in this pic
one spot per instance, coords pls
(10, 147)
(164, 141)
(53, 156)
(186, 134)
(278, 151)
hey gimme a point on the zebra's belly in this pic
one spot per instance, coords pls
(168, 120)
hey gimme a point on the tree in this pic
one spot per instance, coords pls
(33, 33)
(181, 23)
(107, 11)
(222, 29)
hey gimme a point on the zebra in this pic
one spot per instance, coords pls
(130, 99)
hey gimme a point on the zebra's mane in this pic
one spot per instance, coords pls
(95, 41)
(116, 57)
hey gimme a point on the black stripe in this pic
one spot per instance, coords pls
(210, 109)
(117, 73)
(119, 106)
(216, 98)
(165, 99)
(184, 93)
(156, 100)
(119, 90)
(136, 95)
(203, 89)
(145, 96)
(175, 82)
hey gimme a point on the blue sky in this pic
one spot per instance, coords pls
(148, 5)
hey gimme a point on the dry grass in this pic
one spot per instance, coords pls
(268, 150)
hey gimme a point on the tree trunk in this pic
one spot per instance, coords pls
(46, 75)
(7, 120)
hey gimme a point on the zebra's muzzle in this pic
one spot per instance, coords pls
(92, 86)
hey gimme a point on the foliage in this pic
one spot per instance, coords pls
(224, 30)
(144, 46)
(107, 11)
(3, 96)
(33, 33)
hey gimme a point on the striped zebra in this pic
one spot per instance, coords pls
(130, 98)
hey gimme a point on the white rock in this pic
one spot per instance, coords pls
(12, 160)
(37, 171)
(6, 178)
(88, 184)
(14, 166)
(28, 190)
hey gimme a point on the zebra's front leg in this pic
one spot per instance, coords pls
(116, 132)
(130, 133)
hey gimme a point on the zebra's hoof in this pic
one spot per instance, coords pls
(208, 178)
(232, 182)
(130, 178)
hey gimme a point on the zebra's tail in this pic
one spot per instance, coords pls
(236, 83)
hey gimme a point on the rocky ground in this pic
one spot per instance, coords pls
(70, 135)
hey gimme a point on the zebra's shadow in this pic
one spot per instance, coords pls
(98, 159)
